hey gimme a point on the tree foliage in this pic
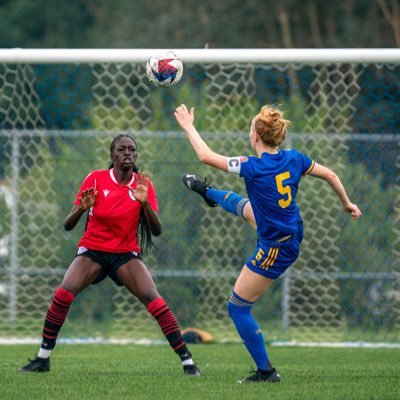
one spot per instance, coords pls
(194, 24)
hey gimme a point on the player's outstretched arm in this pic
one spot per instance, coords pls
(185, 119)
(86, 200)
(319, 171)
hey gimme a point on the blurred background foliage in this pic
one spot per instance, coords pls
(196, 24)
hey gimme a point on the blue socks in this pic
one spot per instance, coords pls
(229, 201)
(239, 310)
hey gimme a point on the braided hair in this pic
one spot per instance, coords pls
(144, 231)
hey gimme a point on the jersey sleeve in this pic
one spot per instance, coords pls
(89, 182)
(246, 167)
(152, 197)
(307, 164)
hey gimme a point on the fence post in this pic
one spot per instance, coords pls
(12, 310)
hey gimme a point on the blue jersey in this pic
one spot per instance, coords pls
(272, 182)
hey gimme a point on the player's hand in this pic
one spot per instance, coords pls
(88, 198)
(142, 188)
(184, 117)
(353, 210)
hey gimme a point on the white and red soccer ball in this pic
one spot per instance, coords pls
(164, 70)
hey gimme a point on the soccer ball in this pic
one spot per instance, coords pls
(164, 70)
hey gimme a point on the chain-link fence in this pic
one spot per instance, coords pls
(57, 123)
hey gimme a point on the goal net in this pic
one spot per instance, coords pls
(60, 110)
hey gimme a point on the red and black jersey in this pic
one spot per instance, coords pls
(113, 220)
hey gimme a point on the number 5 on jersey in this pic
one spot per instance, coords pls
(284, 190)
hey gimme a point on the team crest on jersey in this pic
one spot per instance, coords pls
(131, 195)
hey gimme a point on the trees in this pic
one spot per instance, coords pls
(40, 23)
(392, 16)
(193, 24)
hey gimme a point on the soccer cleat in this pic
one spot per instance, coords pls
(261, 376)
(37, 365)
(192, 182)
(191, 370)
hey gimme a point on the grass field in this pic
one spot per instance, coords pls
(154, 372)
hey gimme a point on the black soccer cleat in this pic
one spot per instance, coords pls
(191, 370)
(262, 376)
(192, 182)
(37, 365)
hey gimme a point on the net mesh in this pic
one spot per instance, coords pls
(57, 122)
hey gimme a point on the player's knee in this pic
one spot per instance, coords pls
(237, 306)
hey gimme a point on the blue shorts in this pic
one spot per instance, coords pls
(272, 259)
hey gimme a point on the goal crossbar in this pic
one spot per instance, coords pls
(273, 56)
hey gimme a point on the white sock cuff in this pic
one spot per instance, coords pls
(43, 353)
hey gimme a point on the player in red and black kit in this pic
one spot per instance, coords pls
(121, 205)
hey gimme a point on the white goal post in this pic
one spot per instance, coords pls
(280, 56)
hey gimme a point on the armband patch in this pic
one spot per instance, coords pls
(234, 164)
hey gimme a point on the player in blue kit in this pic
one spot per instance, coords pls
(272, 179)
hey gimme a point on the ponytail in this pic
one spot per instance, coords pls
(144, 231)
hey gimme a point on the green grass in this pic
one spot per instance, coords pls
(154, 372)
(105, 329)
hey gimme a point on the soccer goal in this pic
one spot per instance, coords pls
(60, 109)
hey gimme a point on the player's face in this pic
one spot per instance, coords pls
(125, 153)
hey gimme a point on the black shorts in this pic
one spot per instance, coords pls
(109, 262)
